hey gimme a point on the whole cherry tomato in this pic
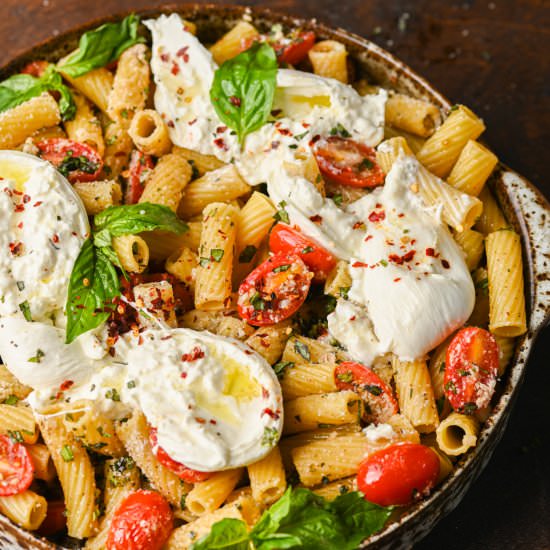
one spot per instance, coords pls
(471, 367)
(143, 521)
(398, 474)
(375, 393)
(16, 467)
(76, 161)
(348, 162)
(291, 240)
(274, 290)
(181, 470)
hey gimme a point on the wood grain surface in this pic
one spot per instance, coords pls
(494, 57)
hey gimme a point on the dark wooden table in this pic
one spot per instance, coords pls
(492, 56)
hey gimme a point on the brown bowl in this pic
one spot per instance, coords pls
(524, 206)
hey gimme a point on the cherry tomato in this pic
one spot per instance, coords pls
(398, 474)
(55, 519)
(182, 471)
(274, 290)
(375, 393)
(284, 238)
(16, 467)
(76, 161)
(294, 48)
(35, 68)
(348, 162)
(143, 521)
(471, 367)
(138, 171)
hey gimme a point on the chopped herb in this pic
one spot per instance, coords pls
(15, 436)
(330, 304)
(124, 113)
(293, 146)
(131, 384)
(26, 310)
(112, 394)
(343, 489)
(204, 261)
(298, 137)
(343, 291)
(442, 366)
(21, 285)
(270, 437)
(37, 358)
(365, 164)
(281, 366)
(307, 250)
(325, 480)
(66, 453)
(102, 432)
(374, 390)
(194, 170)
(302, 349)
(284, 267)
(469, 408)
(440, 403)
(216, 254)
(337, 199)
(454, 108)
(77, 164)
(182, 502)
(282, 215)
(384, 263)
(257, 302)
(346, 377)
(247, 254)
(450, 386)
(339, 130)
(11, 400)
(483, 285)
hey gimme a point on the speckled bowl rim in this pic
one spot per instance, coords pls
(524, 206)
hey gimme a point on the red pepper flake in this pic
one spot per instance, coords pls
(183, 375)
(165, 57)
(20, 225)
(265, 393)
(19, 208)
(18, 193)
(170, 124)
(196, 353)
(284, 131)
(175, 68)
(316, 218)
(66, 385)
(221, 144)
(37, 203)
(182, 52)
(8, 191)
(401, 215)
(15, 248)
(212, 421)
(377, 216)
(377, 205)
(248, 352)
(273, 414)
(314, 140)
(368, 238)
(359, 225)
(306, 124)
(26, 199)
(359, 264)
(221, 129)
(200, 420)
(445, 264)
(55, 238)
(397, 279)
(353, 318)
(191, 122)
(234, 100)
(409, 255)
(430, 252)
(274, 112)
(399, 260)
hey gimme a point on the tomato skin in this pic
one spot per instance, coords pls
(398, 474)
(35, 68)
(290, 240)
(182, 471)
(348, 162)
(471, 367)
(16, 467)
(140, 165)
(349, 375)
(296, 49)
(59, 150)
(143, 521)
(274, 290)
(55, 520)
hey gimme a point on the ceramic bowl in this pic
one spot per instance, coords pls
(524, 207)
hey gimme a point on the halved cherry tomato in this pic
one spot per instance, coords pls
(284, 238)
(143, 521)
(380, 404)
(16, 467)
(140, 167)
(294, 48)
(76, 161)
(348, 162)
(274, 290)
(471, 367)
(182, 471)
(55, 519)
(398, 474)
(35, 68)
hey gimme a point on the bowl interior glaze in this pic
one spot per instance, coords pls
(524, 206)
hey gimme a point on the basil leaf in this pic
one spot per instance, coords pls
(21, 87)
(92, 287)
(228, 534)
(99, 47)
(135, 218)
(243, 89)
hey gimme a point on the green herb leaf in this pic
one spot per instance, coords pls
(216, 254)
(11, 400)
(257, 302)
(82, 164)
(227, 534)
(307, 250)
(302, 349)
(243, 89)
(66, 453)
(92, 288)
(112, 394)
(247, 254)
(337, 199)
(37, 358)
(16, 436)
(339, 130)
(284, 267)
(270, 437)
(281, 367)
(99, 47)
(21, 87)
(26, 310)
(343, 291)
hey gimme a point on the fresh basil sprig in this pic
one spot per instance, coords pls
(21, 87)
(243, 88)
(99, 47)
(302, 519)
(94, 282)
